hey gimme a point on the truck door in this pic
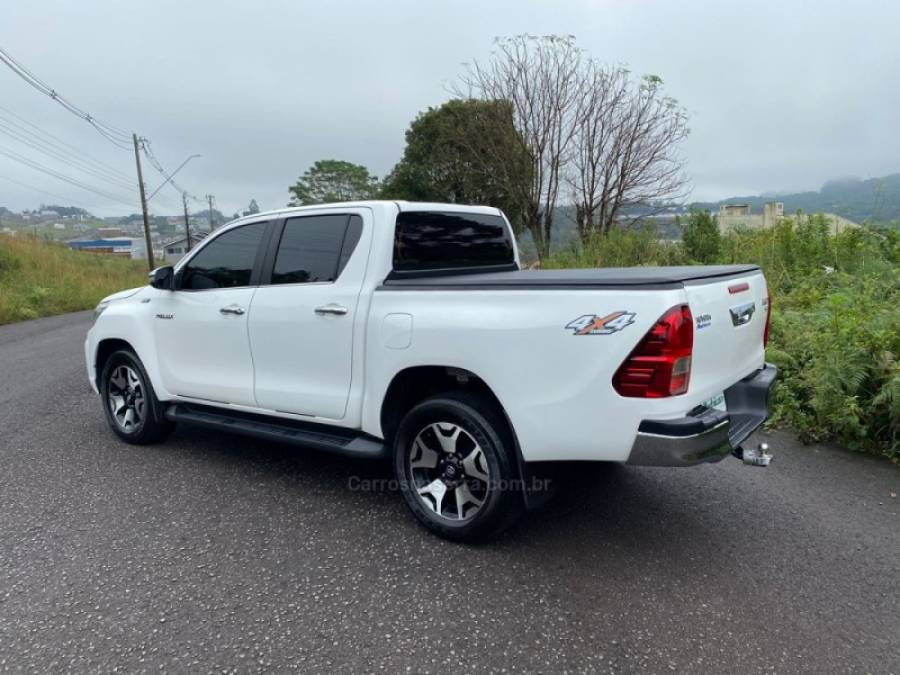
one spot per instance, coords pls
(201, 327)
(304, 314)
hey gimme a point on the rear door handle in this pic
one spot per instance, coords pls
(336, 310)
(236, 310)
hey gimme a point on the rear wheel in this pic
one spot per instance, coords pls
(132, 409)
(455, 462)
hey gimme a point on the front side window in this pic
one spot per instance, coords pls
(225, 262)
(315, 248)
(425, 240)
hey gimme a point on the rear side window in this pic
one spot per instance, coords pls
(225, 262)
(426, 240)
(315, 248)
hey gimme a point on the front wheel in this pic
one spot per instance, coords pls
(131, 406)
(455, 464)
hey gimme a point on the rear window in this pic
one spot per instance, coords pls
(428, 240)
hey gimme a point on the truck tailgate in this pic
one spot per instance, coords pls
(729, 322)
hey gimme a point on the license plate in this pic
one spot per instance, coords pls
(717, 402)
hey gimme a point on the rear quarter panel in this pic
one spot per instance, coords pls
(555, 385)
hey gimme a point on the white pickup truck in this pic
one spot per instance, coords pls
(409, 331)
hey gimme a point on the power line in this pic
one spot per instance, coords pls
(12, 154)
(113, 134)
(155, 163)
(61, 156)
(67, 200)
(43, 134)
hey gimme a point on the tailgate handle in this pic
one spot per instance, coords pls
(742, 313)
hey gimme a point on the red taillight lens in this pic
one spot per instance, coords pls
(660, 365)
(768, 319)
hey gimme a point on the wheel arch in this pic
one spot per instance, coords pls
(106, 348)
(416, 383)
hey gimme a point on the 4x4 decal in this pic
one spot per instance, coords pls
(591, 324)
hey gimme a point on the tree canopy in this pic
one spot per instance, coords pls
(465, 151)
(332, 180)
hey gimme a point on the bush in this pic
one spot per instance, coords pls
(700, 236)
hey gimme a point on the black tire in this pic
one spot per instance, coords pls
(148, 423)
(479, 417)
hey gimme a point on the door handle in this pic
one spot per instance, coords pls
(236, 310)
(336, 310)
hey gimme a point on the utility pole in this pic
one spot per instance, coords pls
(187, 222)
(137, 159)
(210, 199)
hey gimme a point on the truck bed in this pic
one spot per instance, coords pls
(644, 278)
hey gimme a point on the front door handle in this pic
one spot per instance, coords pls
(336, 310)
(236, 310)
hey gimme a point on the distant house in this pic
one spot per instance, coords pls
(109, 232)
(174, 250)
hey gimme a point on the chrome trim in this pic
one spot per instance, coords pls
(742, 314)
(711, 445)
(336, 310)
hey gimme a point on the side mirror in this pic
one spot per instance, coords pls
(163, 278)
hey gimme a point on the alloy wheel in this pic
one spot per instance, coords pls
(449, 471)
(125, 397)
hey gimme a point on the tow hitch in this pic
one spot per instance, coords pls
(754, 457)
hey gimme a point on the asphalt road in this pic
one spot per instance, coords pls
(211, 553)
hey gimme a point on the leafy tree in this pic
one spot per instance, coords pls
(466, 151)
(700, 235)
(332, 180)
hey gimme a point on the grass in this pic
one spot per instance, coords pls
(39, 278)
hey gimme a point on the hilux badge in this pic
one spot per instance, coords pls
(591, 324)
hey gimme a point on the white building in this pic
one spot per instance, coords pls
(174, 250)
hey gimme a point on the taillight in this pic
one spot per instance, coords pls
(660, 365)
(768, 318)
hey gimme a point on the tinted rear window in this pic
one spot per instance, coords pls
(425, 240)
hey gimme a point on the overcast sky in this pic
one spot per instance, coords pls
(782, 95)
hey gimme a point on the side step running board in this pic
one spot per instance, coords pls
(321, 437)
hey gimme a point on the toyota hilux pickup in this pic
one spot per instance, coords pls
(411, 332)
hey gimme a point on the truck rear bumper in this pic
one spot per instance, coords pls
(707, 435)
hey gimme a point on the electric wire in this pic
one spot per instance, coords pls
(61, 157)
(15, 156)
(67, 200)
(155, 163)
(113, 134)
(31, 129)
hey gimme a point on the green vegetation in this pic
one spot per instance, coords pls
(835, 323)
(41, 279)
(465, 151)
(332, 180)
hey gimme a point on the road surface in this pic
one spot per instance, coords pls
(213, 553)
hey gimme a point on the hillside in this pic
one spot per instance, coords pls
(40, 279)
(875, 199)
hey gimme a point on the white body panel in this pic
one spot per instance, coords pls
(304, 360)
(555, 386)
(203, 353)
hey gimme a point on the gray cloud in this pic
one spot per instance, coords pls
(782, 95)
